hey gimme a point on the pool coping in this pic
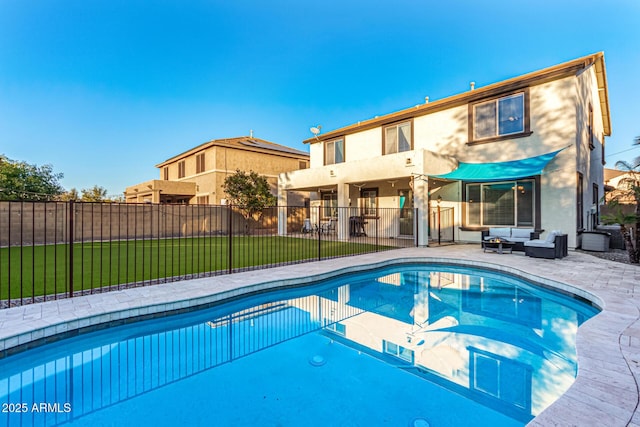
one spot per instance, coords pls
(604, 393)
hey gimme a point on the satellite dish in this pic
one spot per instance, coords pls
(316, 130)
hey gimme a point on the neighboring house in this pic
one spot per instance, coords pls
(620, 180)
(197, 175)
(524, 152)
(617, 179)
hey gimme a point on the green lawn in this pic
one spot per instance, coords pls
(45, 269)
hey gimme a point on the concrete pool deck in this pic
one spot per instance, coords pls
(604, 394)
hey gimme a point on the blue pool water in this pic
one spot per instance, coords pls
(409, 345)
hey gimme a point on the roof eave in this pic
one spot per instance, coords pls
(603, 92)
(228, 142)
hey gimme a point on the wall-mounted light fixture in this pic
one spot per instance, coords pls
(360, 186)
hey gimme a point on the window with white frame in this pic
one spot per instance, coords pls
(397, 351)
(337, 327)
(397, 138)
(499, 117)
(502, 378)
(334, 152)
(509, 203)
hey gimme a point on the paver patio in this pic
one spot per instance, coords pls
(604, 394)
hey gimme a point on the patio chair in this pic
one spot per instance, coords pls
(308, 228)
(329, 227)
(554, 246)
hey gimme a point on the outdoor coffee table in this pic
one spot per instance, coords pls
(498, 245)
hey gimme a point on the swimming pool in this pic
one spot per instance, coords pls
(402, 345)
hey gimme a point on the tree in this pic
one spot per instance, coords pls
(94, 194)
(70, 195)
(22, 181)
(250, 192)
(627, 192)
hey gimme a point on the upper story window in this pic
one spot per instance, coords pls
(181, 171)
(397, 138)
(165, 173)
(200, 163)
(500, 117)
(334, 152)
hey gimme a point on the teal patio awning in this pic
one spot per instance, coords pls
(499, 171)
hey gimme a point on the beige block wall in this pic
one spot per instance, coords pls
(47, 223)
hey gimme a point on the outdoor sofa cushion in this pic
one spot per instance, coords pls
(548, 242)
(539, 243)
(504, 232)
(512, 234)
(521, 234)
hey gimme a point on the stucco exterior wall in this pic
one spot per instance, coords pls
(553, 123)
(443, 132)
(316, 154)
(364, 145)
(589, 158)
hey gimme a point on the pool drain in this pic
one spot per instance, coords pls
(317, 360)
(419, 422)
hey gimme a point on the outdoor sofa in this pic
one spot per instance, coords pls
(553, 246)
(512, 234)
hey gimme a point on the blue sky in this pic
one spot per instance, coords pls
(105, 90)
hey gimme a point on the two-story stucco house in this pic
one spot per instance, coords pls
(196, 176)
(524, 152)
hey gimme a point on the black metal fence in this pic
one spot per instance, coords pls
(441, 224)
(51, 250)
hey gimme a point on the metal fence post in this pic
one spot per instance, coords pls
(70, 225)
(319, 235)
(439, 231)
(377, 219)
(230, 240)
(416, 220)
